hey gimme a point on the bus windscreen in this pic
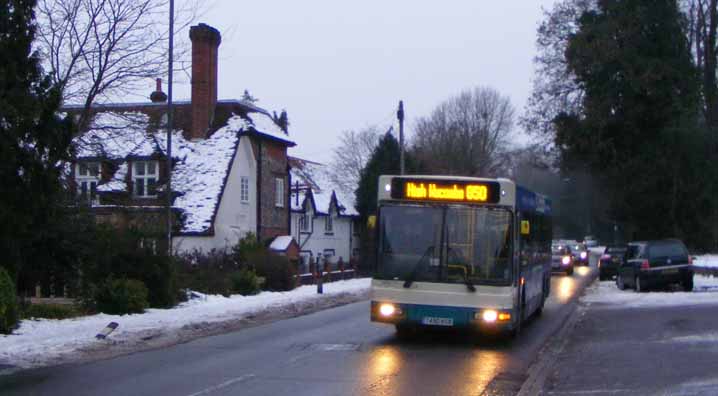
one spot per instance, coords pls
(445, 244)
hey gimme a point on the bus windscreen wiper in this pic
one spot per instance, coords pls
(410, 279)
(467, 281)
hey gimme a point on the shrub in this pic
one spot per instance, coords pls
(121, 296)
(8, 303)
(277, 271)
(50, 311)
(117, 254)
(246, 247)
(206, 272)
(245, 282)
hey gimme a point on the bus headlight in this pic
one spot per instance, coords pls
(489, 316)
(387, 310)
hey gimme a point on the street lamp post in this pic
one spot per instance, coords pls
(168, 190)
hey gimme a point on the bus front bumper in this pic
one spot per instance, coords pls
(485, 319)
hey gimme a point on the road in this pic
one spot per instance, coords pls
(332, 352)
(629, 351)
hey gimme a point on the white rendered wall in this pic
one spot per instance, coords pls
(316, 242)
(234, 218)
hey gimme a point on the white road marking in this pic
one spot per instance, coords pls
(223, 385)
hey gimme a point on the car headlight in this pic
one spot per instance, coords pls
(583, 255)
(566, 260)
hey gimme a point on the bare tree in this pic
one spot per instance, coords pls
(465, 134)
(350, 156)
(103, 49)
(555, 89)
(702, 26)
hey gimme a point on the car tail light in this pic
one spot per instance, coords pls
(645, 265)
(690, 260)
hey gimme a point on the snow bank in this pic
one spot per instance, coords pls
(706, 260)
(43, 342)
(705, 292)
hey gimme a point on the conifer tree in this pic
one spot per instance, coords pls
(34, 141)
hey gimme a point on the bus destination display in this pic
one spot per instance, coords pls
(445, 190)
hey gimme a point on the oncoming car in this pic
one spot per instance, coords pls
(562, 258)
(580, 254)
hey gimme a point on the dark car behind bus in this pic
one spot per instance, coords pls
(610, 260)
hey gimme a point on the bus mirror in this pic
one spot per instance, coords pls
(371, 222)
(525, 227)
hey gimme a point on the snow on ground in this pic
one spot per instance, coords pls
(42, 342)
(705, 291)
(706, 260)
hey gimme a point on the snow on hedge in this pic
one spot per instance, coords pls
(707, 260)
(43, 342)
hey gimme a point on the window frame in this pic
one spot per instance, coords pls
(145, 177)
(88, 179)
(328, 225)
(244, 189)
(279, 192)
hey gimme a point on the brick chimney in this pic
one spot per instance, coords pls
(158, 96)
(205, 41)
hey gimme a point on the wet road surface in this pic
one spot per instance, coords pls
(333, 352)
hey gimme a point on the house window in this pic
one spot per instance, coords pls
(244, 189)
(304, 222)
(279, 192)
(328, 225)
(144, 178)
(87, 176)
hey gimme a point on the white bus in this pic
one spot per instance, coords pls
(460, 251)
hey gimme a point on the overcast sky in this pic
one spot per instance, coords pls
(338, 65)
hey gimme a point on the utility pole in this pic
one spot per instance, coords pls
(168, 190)
(400, 116)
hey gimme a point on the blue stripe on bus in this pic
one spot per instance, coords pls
(529, 201)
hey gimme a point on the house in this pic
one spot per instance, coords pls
(324, 221)
(229, 173)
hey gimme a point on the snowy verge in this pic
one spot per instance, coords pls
(706, 260)
(705, 291)
(49, 342)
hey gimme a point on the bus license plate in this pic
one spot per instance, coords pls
(432, 321)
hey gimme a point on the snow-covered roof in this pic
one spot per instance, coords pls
(281, 243)
(315, 177)
(201, 167)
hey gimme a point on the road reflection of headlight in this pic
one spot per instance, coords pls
(385, 362)
(566, 288)
(583, 271)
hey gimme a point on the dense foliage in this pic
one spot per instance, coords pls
(245, 282)
(121, 296)
(8, 304)
(636, 127)
(34, 141)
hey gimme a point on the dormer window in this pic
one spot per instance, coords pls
(304, 222)
(87, 176)
(144, 178)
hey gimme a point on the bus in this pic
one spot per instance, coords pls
(460, 252)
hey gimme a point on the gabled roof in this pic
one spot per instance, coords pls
(317, 189)
(201, 167)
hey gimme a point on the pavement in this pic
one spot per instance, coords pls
(627, 350)
(332, 352)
